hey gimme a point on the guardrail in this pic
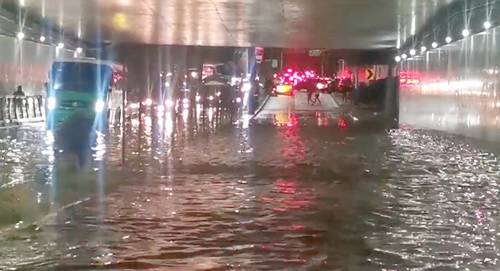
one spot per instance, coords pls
(18, 109)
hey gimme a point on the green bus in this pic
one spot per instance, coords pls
(84, 89)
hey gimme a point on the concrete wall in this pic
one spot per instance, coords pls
(455, 88)
(25, 63)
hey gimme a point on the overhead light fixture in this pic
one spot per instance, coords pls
(42, 38)
(60, 45)
(404, 56)
(423, 49)
(397, 59)
(79, 50)
(20, 35)
(466, 33)
(413, 52)
(448, 39)
(434, 45)
(487, 25)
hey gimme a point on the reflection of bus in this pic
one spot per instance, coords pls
(83, 89)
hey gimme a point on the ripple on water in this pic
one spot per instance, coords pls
(316, 200)
(441, 204)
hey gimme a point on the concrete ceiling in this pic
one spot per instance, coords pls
(335, 24)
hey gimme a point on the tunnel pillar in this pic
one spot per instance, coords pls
(253, 70)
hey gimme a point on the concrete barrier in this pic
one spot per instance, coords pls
(20, 109)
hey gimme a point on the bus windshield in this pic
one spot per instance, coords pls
(80, 77)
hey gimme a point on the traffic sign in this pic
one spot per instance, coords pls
(315, 53)
(274, 63)
(370, 74)
(259, 54)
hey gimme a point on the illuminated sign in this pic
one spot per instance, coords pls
(259, 54)
(315, 53)
(409, 78)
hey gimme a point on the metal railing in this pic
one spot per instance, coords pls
(18, 109)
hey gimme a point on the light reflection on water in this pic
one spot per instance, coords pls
(195, 193)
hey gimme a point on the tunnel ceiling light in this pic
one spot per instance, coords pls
(60, 45)
(79, 50)
(397, 59)
(423, 49)
(434, 45)
(448, 39)
(466, 33)
(487, 25)
(413, 52)
(20, 35)
(404, 56)
(42, 38)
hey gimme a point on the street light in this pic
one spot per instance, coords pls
(448, 39)
(487, 25)
(466, 33)
(20, 35)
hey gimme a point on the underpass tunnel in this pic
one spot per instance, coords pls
(34, 33)
(449, 78)
(249, 134)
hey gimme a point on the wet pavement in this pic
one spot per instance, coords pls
(298, 103)
(291, 190)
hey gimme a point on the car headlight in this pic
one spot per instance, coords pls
(246, 87)
(134, 106)
(99, 106)
(169, 103)
(51, 103)
(321, 85)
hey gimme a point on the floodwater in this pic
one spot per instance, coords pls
(312, 191)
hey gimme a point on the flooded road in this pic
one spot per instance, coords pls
(287, 191)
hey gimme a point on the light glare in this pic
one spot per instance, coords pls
(99, 106)
(487, 25)
(466, 32)
(51, 103)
